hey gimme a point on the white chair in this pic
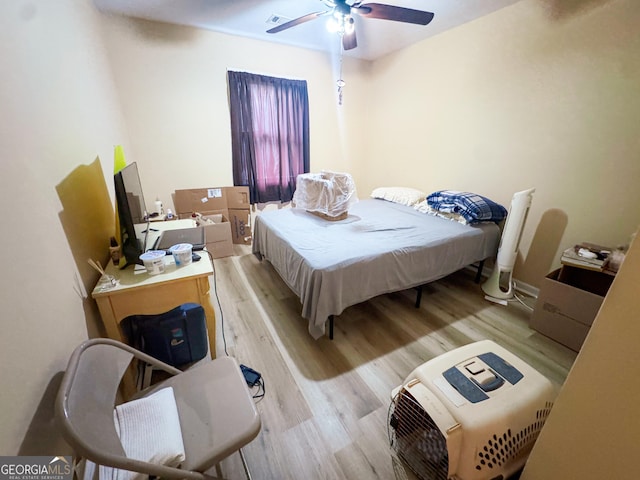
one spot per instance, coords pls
(216, 411)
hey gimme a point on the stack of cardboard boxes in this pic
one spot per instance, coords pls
(230, 202)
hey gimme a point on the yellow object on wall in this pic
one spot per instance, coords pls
(118, 159)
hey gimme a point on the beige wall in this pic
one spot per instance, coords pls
(173, 84)
(542, 94)
(593, 430)
(59, 112)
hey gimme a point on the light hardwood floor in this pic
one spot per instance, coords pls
(324, 415)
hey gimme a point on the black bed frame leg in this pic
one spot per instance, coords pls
(479, 272)
(418, 296)
(330, 327)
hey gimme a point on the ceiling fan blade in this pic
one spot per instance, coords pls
(296, 21)
(349, 41)
(391, 12)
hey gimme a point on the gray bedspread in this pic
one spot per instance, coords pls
(380, 247)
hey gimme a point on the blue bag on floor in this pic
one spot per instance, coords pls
(176, 337)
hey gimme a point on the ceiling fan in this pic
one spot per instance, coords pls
(343, 23)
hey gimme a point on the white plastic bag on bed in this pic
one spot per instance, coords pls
(327, 193)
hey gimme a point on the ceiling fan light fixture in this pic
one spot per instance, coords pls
(333, 25)
(341, 24)
(349, 25)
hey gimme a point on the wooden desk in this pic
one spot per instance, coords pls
(138, 292)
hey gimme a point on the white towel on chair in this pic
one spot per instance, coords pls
(149, 430)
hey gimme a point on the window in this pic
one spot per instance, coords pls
(269, 134)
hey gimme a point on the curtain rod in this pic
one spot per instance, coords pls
(229, 69)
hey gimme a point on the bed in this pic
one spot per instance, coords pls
(381, 247)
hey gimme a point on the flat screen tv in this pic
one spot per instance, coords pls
(131, 211)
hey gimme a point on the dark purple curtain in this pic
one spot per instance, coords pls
(269, 134)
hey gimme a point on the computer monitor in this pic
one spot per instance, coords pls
(131, 211)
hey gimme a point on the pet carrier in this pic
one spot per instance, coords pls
(473, 413)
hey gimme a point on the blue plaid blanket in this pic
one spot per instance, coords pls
(473, 207)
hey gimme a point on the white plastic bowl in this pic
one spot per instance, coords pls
(182, 254)
(153, 261)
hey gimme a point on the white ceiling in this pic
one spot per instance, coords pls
(249, 18)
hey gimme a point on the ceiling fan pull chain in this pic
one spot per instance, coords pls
(340, 83)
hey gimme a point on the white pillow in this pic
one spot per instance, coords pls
(403, 195)
(149, 430)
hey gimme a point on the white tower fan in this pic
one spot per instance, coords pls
(499, 284)
(473, 413)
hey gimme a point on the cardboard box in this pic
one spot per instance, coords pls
(207, 199)
(218, 237)
(240, 226)
(232, 202)
(239, 220)
(206, 213)
(199, 200)
(237, 197)
(567, 304)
